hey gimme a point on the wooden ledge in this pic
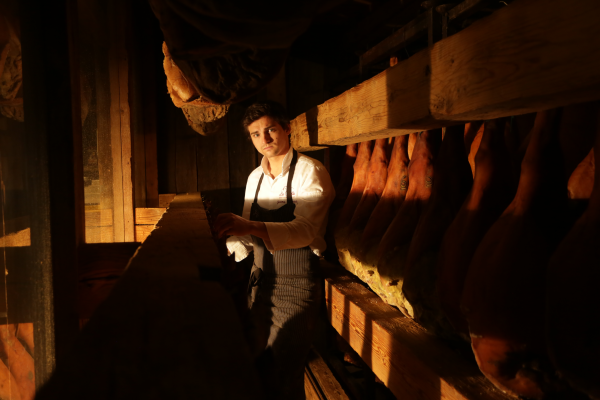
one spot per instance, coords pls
(529, 56)
(412, 363)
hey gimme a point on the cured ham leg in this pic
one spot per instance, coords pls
(376, 180)
(361, 168)
(493, 189)
(364, 250)
(393, 249)
(8, 384)
(20, 363)
(581, 181)
(503, 298)
(473, 135)
(453, 181)
(347, 174)
(573, 309)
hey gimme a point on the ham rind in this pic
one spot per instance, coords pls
(503, 297)
(453, 181)
(393, 249)
(581, 182)
(347, 174)
(376, 180)
(8, 384)
(20, 362)
(493, 189)
(25, 334)
(473, 135)
(364, 250)
(573, 309)
(361, 169)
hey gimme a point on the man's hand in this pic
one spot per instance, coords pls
(234, 225)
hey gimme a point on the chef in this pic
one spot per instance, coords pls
(283, 222)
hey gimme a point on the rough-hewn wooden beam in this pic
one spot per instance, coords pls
(529, 56)
(411, 363)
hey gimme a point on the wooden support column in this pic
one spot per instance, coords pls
(412, 363)
(530, 56)
(120, 124)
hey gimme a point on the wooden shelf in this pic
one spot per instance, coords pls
(412, 363)
(529, 56)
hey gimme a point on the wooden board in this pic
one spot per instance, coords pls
(530, 56)
(148, 216)
(411, 363)
(320, 375)
(142, 232)
(162, 330)
(164, 200)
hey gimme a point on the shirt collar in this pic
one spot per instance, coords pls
(285, 165)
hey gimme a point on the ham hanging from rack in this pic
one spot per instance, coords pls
(393, 249)
(503, 298)
(573, 309)
(453, 181)
(376, 180)
(361, 168)
(364, 250)
(493, 189)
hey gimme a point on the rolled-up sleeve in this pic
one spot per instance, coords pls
(314, 196)
(241, 246)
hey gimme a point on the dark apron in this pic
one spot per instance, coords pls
(284, 294)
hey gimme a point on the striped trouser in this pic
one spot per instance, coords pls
(284, 312)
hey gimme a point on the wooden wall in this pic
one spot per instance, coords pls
(219, 165)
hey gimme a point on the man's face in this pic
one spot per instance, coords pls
(269, 138)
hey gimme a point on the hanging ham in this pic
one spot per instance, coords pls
(493, 189)
(376, 180)
(453, 182)
(573, 309)
(361, 168)
(392, 251)
(503, 297)
(364, 250)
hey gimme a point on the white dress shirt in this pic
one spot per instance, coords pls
(312, 192)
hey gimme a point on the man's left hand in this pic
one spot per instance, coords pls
(233, 225)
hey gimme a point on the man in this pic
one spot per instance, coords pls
(283, 222)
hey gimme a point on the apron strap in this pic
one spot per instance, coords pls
(258, 188)
(290, 176)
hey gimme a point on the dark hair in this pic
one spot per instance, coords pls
(266, 108)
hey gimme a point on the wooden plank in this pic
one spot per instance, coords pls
(20, 238)
(546, 58)
(164, 200)
(408, 360)
(327, 382)
(123, 16)
(524, 58)
(98, 218)
(148, 216)
(142, 232)
(161, 326)
(115, 41)
(212, 163)
(242, 156)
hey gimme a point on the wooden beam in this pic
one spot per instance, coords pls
(320, 375)
(148, 216)
(405, 357)
(530, 56)
(162, 328)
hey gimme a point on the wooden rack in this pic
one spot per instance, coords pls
(529, 56)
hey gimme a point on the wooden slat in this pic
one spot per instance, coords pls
(530, 56)
(99, 218)
(142, 232)
(164, 200)
(325, 379)
(17, 239)
(411, 363)
(148, 216)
